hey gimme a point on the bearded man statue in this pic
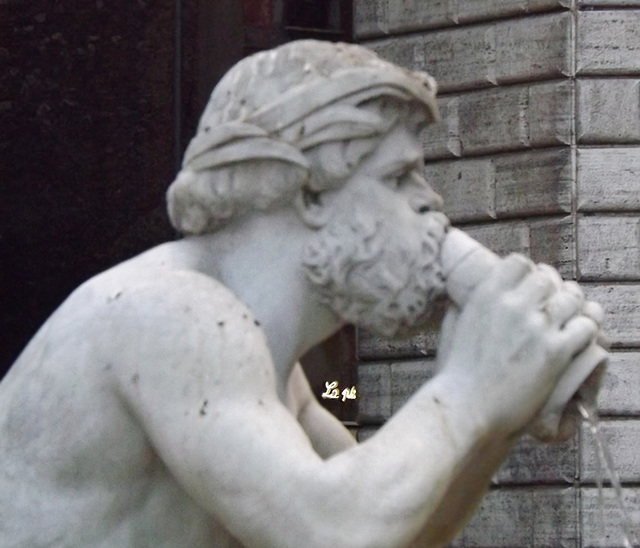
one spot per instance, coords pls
(163, 405)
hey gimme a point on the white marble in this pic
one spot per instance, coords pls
(162, 404)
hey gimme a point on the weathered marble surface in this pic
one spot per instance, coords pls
(162, 403)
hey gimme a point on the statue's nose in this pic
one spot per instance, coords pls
(426, 200)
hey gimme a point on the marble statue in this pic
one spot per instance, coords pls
(162, 405)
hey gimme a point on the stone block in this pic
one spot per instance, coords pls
(533, 462)
(504, 186)
(597, 52)
(609, 3)
(602, 518)
(383, 17)
(374, 347)
(534, 183)
(501, 120)
(548, 113)
(552, 242)
(478, 10)
(467, 187)
(513, 50)
(383, 388)
(608, 110)
(609, 247)
(619, 394)
(374, 393)
(608, 179)
(622, 438)
(502, 238)
(533, 48)
(442, 140)
(621, 305)
(524, 518)
(548, 240)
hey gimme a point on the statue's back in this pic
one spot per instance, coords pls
(77, 468)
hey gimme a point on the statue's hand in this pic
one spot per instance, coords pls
(506, 350)
(578, 387)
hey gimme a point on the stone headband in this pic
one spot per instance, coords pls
(299, 119)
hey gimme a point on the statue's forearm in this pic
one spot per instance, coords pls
(327, 435)
(421, 476)
(382, 493)
(463, 497)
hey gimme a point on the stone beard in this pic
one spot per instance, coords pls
(370, 274)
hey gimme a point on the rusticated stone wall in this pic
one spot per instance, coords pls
(538, 152)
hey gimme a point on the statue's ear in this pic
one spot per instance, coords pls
(312, 207)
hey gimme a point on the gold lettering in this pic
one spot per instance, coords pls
(349, 393)
(332, 391)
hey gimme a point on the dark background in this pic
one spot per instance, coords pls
(98, 99)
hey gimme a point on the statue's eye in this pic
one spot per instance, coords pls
(397, 179)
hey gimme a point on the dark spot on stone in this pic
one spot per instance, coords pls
(310, 197)
(135, 378)
(437, 400)
(260, 402)
(220, 324)
(256, 322)
(203, 409)
(207, 129)
(114, 297)
(244, 316)
(108, 367)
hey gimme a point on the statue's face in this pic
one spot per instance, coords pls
(375, 262)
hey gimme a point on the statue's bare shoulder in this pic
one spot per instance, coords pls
(172, 368)
(178, 320)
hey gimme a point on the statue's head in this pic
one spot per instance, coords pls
(301, 116)
(289, 128)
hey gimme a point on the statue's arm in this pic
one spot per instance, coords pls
(463, 495)
(246, 459)
(205, 394)
(326, 433)
(199, 380)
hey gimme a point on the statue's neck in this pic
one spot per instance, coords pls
(259, 260)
